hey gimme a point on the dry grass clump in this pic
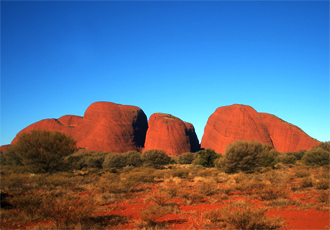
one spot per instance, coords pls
(172, 189)
(151, 214)
(322, 184)
(272, 192)
(68, 211)
(207, 188)
(302, 172)
(27, 203)
(246, 217)
(160, 198)
(306, 182)
(323, 197)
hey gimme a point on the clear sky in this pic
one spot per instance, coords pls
(183, 58)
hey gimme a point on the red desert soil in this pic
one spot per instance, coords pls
(171, 134)
(105, 127)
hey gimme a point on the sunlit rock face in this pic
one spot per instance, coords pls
(240, 122)
(105, 126)
(230, 123)
(285, 136)
(171, 134)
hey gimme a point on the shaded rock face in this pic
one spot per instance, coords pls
(230, 123)
(105, 127)
(285, 136)
(170, 134)
(240, 122)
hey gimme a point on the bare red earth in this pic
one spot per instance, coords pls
(285, 136)
(230, 123)
(170, 134)
(105, 127)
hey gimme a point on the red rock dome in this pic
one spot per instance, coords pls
(285, 136)
(230, 123)
(105, 127)
(171, 134)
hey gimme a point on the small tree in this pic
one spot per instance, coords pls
(186, 158)
(44, 151)
(245, 156)
(155, 158)
(132, 158)
(206, 158)
(114, 160)
(318, 155)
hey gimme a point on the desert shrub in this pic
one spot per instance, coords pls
(318, 155)
(155, 158)
(180, 172)
(154, 212)
(16, 182)
(132, 158)
(114, 160)
(160, 198)
(306, 182)
(44, 151)
(271, 192)
(322, 184)
(172, 189)
(269, 158)
(207, 188)
(244, 156)
(206, 158)
(90, 159)
(248, 217)
(67, 211)
(299, 155)
(9, 157)
(186, 158)
(323, 197)
(213, 219)
(301, 172)
(140, 175)
(285, 158)
(28, 203)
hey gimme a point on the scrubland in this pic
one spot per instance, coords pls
(251, 186)
(174, 197)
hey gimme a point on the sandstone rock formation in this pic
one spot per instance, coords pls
(230, 123)
(105, 127)
(240, 122)
(171, 134)
(285, 136)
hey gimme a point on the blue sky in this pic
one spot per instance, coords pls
(183, 58)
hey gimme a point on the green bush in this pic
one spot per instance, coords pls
(90, 159)
(114, 160)
(318, 155)
(245, 156)
(206, 158)
(132, 158)
(186, 158)
(155, 158)
(286, 158)
(44, 151)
